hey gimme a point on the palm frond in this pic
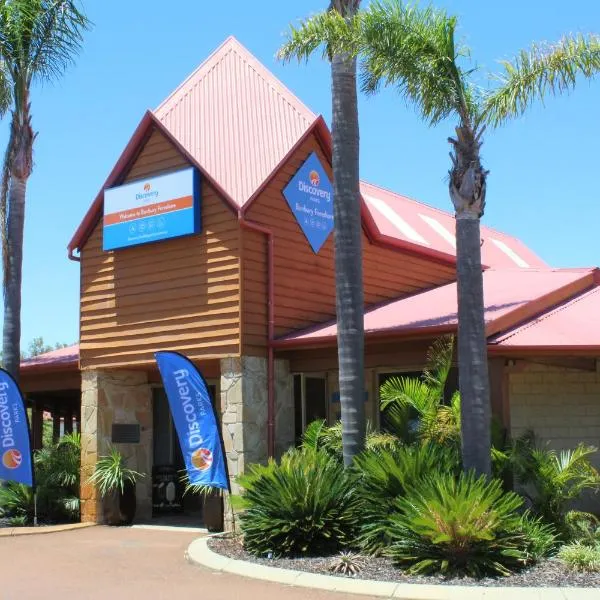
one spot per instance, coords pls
(40, 38)
(328, 30)
(544, 69)
(413, 49)
(439, 363)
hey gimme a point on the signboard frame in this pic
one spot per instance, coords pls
(158, 216)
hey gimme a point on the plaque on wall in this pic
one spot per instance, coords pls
(125, 433)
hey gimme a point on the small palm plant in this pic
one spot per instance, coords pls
(553, 480)
(112, 474)
(116, 480)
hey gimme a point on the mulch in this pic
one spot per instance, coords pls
(548, 573)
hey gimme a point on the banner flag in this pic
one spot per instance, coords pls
(195, 420)
(15, 442)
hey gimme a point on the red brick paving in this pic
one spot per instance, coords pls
(123, 563)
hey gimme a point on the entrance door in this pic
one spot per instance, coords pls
(310, 400)
(168, 468)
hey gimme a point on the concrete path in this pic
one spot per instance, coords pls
(123, 563)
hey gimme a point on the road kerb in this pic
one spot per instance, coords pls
(18, 531)
(199, 553)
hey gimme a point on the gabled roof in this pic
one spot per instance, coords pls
(238, 124)
(511, 296)
(235, 118)
(572, 326)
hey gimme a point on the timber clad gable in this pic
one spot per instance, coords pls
(304, 282)
(180, 294)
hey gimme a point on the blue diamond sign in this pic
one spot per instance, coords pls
(310, 197)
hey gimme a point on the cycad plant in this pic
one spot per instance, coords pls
(384, 475)
(415, 50)
(303, 505)
(462, 525)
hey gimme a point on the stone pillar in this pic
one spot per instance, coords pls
(284, 408)
(243, 416)
(108, 397)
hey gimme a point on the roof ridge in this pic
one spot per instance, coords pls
(204, 63)
(232, 44)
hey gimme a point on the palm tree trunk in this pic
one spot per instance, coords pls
(19, 157)
(11, 339)
(467, 191)
(348, 251)
(472, 349)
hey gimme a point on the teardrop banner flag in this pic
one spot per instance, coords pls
(195, 420)
(15, 441)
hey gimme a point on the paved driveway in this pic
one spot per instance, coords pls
(113, 563)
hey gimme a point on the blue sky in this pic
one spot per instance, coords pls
(542, 185)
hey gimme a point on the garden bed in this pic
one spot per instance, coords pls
(548, 573)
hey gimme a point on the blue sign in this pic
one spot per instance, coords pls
(150, 210)
(310, 197)
(15, 444)
(195, 420)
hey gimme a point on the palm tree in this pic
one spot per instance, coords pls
(38, 39)
(347, 232)
(415, 51)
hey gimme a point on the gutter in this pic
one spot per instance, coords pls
(252, 226)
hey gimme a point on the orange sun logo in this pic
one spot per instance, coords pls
(147, 187)
(202, 459)
(314, 178)
(12, 459)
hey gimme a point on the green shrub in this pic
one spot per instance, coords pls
(57, 481)
(540, 538)
(579, 557)
(319, 436)
(553, 480)
(384, 474)
(463, 525)
(306, 504)
(16, 501)
(582, 527)
(57, 477)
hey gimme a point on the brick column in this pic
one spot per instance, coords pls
(109, 397)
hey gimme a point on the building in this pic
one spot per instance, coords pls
(247, 289)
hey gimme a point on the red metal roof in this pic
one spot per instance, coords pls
(510, 296)
(574, 325)
(64, 357)
(235, 118)
(432, 229)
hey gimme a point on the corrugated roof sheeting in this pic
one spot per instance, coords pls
(236, 119)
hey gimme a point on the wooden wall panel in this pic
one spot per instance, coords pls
(305, 281)
(180, 294)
